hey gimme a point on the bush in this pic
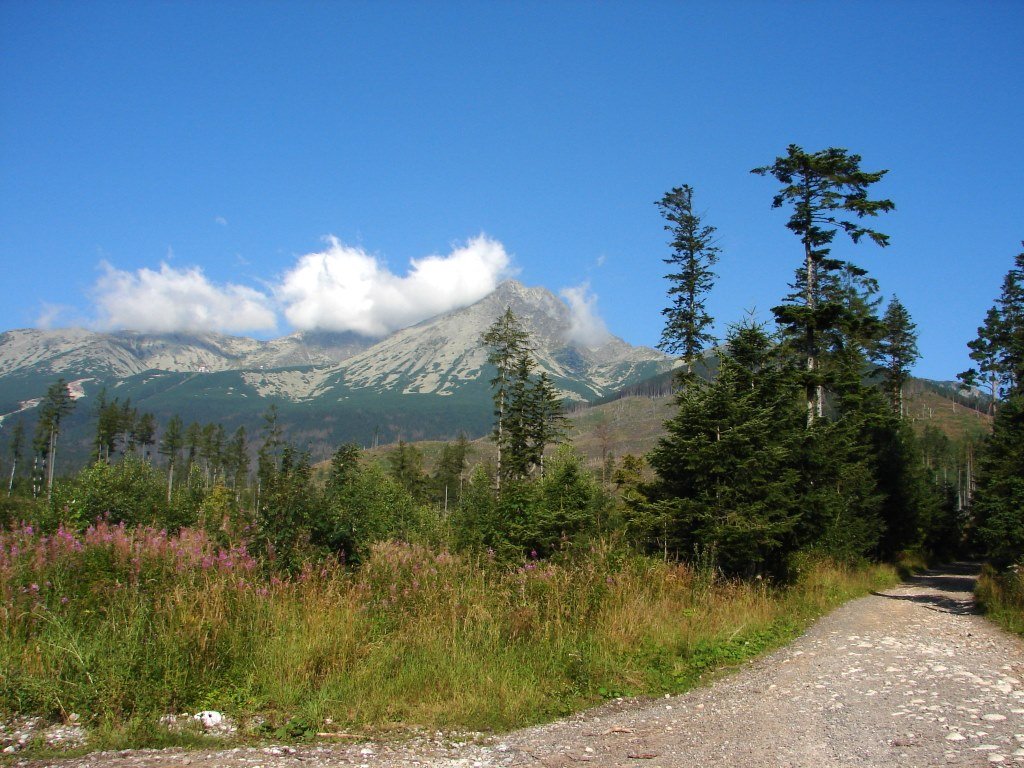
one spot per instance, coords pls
(370, 507)
(130, 492)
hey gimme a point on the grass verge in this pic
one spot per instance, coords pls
(1001, 597)
(121, 627)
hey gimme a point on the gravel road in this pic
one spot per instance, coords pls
(908, 677)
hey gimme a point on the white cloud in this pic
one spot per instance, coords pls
(50, 315)
(587, 327)
(220, 220)
(344, 288)
(177, 300)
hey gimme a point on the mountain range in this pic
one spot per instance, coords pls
(430, 380)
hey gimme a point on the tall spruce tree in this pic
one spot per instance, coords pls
(448, 475)
(827, 191)
(171, 444)
(406, 465)
(998, 503)
(727, 480)
(898, 351)
(507, 343)
(693, 254)
(985, 350)
(236, 460)
(546, 422)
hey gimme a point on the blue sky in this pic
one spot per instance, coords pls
(157, 158)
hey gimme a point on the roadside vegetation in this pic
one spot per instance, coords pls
(1001, 596)
(124, 625)
(998, 501)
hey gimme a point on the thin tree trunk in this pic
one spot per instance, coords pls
(814, 393)
(10, 483)
(501, 419)
(52, 464)
(170, 480)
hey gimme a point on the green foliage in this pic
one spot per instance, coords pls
(448, 478)
(130, 491)
(998, 504)
(693, 254)
(130, 625)
(286, 510)
(475, 523)
(727, 478)
(898, 350)
(999, 348)
(406, 464)
(1001, 596)
(530, 518)
(527, 411)
(53, 409)
(826, 191)
(369, 507)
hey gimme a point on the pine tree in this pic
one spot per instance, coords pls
(545, 419)
(128, 417)
(344, 467)
(236, 460)
(827, 190)
(986, 352)
(898, 351)
(693, 254)
(727, 480)
(55, 407)
(998, 504)
(451, 466)
(144, 433)
(507, 344)
(267, 455)
(101, 442)
(406, 464)
(519, 454)
(286, 511)
(170, 446)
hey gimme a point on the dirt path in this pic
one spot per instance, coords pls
(909, 677)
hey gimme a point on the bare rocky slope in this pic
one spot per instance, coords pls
(909, 677)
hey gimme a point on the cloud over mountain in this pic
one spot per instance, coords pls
(587, 327)
(344, 288)
(170, 299)
(341, 288)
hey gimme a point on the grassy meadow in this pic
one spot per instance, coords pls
(124, 625)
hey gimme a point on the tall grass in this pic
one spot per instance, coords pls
(124, 625)
(1001, 596)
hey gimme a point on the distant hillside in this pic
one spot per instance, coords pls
(632, 423)
(427, 381)
(943, 405)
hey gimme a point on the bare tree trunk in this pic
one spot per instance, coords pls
(10, 483)
(501, 418)
(815, 394)
(52, 464)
